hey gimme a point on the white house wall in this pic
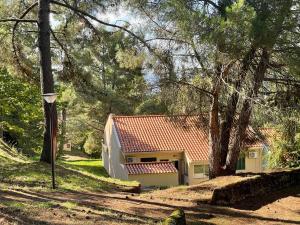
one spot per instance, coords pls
(113, 158)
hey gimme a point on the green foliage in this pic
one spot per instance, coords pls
(21, 111)
(129, 59)
(93, 145)
(232, 34)
(285, 149)
(153, 105)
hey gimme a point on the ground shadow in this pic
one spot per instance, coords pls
(255, 203)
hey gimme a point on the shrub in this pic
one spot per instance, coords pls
(93, 145)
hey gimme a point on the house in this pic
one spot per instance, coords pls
(166, 151)
(67, 146)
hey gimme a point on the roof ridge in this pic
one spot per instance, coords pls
(148, 163)
(153, 115)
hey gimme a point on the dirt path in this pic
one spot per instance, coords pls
(121, 208)
(73, 156)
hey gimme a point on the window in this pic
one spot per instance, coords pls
(176, 164)
(200, 170)
(252, 155)
(129, 159)
(164, 160)
(240, 163)
(148, 159)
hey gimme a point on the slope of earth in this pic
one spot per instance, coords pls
(85, 195)
(195, 193)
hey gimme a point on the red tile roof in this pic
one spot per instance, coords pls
(158, 133)
(163, 133)
(150, 168)
(257, 139)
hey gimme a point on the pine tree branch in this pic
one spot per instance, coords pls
(282, 80)
(212, 3)
(18, 20)
(61, 46)
(14, 30)
(84, 15)
(78, 11)
(185, 83)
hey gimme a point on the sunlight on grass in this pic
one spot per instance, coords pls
(69, 205)
(95, 169)
(27, 205)
(78, 175)
(93, 166)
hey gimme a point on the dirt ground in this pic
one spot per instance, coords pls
(122, 208)
(26, 205)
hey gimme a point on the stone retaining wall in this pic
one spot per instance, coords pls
(261, 184)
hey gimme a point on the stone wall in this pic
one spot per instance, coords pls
(261, 184)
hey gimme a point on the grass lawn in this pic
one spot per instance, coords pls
(89, 174)
(26, 196)
(93, 168)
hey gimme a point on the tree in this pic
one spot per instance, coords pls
(20, 112)
(81, 10)
(240, 47)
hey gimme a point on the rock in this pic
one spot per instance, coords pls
(88, 217)
(209, 216)
(56, 206)
(176, 218)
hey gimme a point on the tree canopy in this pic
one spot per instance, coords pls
(235, 61)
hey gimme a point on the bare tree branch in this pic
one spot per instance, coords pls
(185, 83)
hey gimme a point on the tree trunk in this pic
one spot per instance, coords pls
(47, 83)
(245, 114)
(214, 138)
(63, 131)
(230, 112)
(214, 129)
(1, 133)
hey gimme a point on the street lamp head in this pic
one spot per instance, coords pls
(50, 97)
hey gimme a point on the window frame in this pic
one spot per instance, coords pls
(241, 164)
(147, 158)
(205, 170)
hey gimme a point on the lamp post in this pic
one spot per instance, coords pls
(50, 99)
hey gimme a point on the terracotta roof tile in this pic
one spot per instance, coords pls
(150, 168)
(157, 133)
(163, 133)
(259, 138)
